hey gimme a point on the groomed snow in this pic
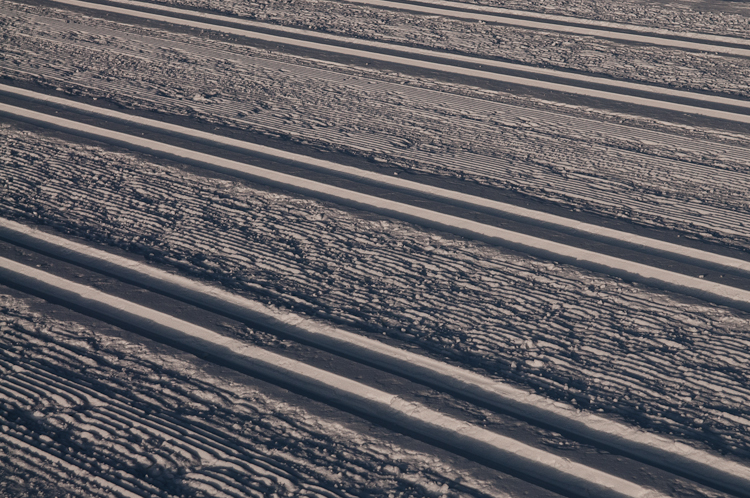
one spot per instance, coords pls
(448, 66)
(598, 262)
(644, 244)
(538, 464)
(659, 451)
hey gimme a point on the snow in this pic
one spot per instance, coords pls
(479, 301)
(449, 65)
(644, 244)
(538, 464)
(653, 183)
(447, 378)
(255, 442)
(586, 352)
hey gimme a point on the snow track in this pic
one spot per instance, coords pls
(481, 340)
(641, 445)
(692, 185)
(663, 279)
(448, 66)
(643, 244)
(546, 467)
(571, 25)
(98, 416)
(556, 20)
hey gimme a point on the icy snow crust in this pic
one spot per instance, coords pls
(670, 364)
(90, 414)
(695, 186)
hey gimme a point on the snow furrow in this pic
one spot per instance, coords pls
(124, 441)
(552, 250)
(498, 15)
(541, 465)
(410, 361)
(708, 217)
(449, 67)
(670, 209)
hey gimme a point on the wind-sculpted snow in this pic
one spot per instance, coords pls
(107, 416)
(671, 364)
(695, 186)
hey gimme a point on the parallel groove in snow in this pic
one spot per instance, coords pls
(542, 465)
(443, 67)
(499, 16)
(709, 217)
(659, 278)
(557, 19)
(450, 283)
(645, 244)
(449, 378)
(143, 439)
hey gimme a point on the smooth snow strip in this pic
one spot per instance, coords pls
(498, 16)
(538, 464)
(628, 270)
(615, 237)
(660, 451)
(500, 11)
(446, 67)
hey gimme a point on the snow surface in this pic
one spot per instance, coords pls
(670, 364)
(675, 67)
(694, 186)
(394, 183)
(446, 378)
(454, 64)
(86, 412)
(92, 408)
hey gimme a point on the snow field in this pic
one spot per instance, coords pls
(663, 452)
(646, 17)
(665, 363)
(649, 177)
(498, 16)
(111, 417)
(652, 246)
(450, 68)
(469, 8)
(538, 464)
(659, 278)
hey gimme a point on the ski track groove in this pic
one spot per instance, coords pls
(439, 98)
(569, 24)
(707, 217)
(237, 256)
(499, 332)
(111, 415)
(119, 411)
(568, 474)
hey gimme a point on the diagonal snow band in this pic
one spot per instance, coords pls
(554, 21)
(446, 67)
(22, 444)
(586, 230)
(627, 270)
(497, 15)
(666, 453)
(546, 467)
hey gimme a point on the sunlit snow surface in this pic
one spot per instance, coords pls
(667, 362)
(84, 412)
(88, 413)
